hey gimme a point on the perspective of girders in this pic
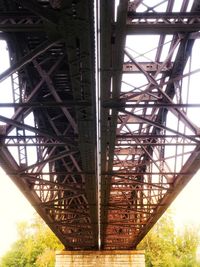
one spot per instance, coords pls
(101, 130)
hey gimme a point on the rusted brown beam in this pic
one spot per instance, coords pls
(62, 211)
(54, 144)
(10, 165)
(150, 135)
(161, 28)
(127, 151)
(141, 144)
(57, 185)
(192, 165)
(124, 224)
(136, 189)
(44, 75)
(29, 128)
(147, 66)
(164, 15)
(142, 183)
(34, 92)
(112, 173)
(49, 104)
(53, 202)
(49, 159)
(148, 173)
(158, 104)
(130, 119)
(158, 125)
(111, 53)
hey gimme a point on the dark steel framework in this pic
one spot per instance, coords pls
(149, 144)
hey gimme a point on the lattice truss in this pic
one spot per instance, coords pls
(150, 133)
(48, 127)
(149, 126)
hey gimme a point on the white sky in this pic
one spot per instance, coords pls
(186, 206)
(13, 208)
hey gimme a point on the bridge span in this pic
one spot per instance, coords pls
(102, 130)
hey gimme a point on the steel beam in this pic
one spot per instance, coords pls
(30, 128)
(27, 59)
(53, 91)
(147, 66)
(21, 28)
(177, 16)
(161, 28)
(48, 104)
(139, 177)
(46, 13)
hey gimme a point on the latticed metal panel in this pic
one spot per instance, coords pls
(48, 145)
(150, 141)
(100, 180)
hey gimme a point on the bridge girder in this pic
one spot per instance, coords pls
(48, 145)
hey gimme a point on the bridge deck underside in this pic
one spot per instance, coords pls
(149, 138)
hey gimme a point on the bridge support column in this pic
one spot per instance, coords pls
(114, 258)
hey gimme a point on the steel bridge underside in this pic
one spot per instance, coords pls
(99, 139)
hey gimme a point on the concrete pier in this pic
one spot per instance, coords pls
(115, 258)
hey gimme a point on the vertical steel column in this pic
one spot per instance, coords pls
(19, 97)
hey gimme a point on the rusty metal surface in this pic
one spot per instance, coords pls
(51, 146)
(149, 139)
(151, 157)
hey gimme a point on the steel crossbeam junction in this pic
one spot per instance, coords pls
(101, 131)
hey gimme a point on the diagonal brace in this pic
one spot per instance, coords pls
(46, 13)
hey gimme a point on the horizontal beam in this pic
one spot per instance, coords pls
(147, 66)
(160, 126)
(55, 144)
(139, 144)
(41, 104)
(163, 15)
(161, 28)
(9, 27)
(31, 129)
(105, 104)
(150, 135)
(57, 185)
(136, 189)
(118, 136)
(16, 15)
(48, 160)
(127, 151)
(114, 173)
(131, 104)
(129, 173)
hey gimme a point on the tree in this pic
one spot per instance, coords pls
(165, 248)
(35, 246)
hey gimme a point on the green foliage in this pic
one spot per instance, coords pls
(35, 246)
(165, 248)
